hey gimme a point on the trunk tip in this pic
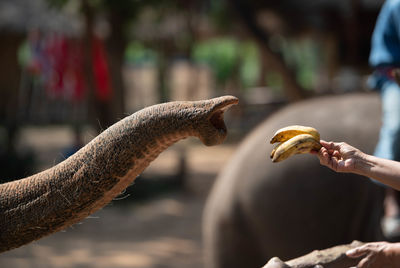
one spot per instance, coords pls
(215, 131)
(224, 102)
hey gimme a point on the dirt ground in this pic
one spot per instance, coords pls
(161, 232)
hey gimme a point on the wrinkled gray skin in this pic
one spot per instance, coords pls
(56, 198)
(258, 209)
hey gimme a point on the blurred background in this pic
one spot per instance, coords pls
(69, 69)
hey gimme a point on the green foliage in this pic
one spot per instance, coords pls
(302, 56)
(228, 57)
(220, 53)
(250, 64)
(274, 81)
(137, 53)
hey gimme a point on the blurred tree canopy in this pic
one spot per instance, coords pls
(284, 45)
(213, 32)
(293, 48)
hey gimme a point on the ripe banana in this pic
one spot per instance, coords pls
(294, 140)
(286, 133)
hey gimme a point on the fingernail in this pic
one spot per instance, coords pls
(350, 252)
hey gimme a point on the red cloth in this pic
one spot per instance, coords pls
(56, 51)
(66, 58)
(62, 68)
(101, 71)
(75, 68)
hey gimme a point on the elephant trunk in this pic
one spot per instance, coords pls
(56, 198)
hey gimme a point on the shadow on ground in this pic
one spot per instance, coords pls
(164, 231)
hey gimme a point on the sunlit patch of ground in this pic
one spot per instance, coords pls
(162, 232)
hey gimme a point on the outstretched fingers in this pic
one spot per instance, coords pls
(323, 155)
(359, 251)
(327, 157)
(376, 255)
(332, 155)
(330, 145)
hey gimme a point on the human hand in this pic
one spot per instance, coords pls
(339, 156)
(377, 255)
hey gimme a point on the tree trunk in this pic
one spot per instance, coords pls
(116, 44)
(99, 111)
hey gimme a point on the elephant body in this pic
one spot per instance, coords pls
(258, 209)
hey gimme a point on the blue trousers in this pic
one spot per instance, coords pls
(389, 138)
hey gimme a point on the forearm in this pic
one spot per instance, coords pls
(383, 170)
